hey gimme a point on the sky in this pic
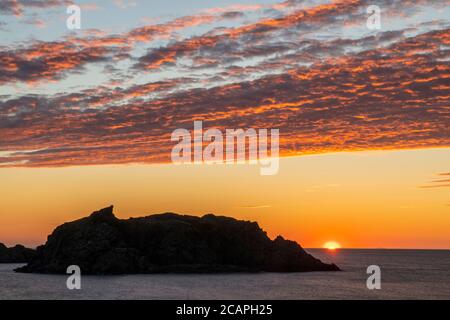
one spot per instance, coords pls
(86, 115)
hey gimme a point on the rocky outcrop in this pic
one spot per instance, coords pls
(16, 254)
(103, 244)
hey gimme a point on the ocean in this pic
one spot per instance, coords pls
(405, 274)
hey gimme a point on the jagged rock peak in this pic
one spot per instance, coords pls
(105, 213)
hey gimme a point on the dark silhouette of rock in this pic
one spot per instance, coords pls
(162, 243)
(16, 254)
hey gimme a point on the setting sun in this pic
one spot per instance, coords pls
(331, 245)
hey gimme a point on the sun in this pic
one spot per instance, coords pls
(331, 245)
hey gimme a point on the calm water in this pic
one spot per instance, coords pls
(405, 274)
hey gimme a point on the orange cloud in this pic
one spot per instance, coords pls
(385, 98)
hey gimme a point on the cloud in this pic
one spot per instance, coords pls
(440, 183)
(261, 206)
(386, 98)
(35, 21)
(125, 4)
(17, 7)
(384, 90)
(436, 186)
(49, 60)
(256, 39)
(43, 61)
(218, 48)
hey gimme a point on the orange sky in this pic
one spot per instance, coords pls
(86, 116)
(360, 199)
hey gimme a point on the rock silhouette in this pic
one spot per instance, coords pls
(163, 243)
(16, 254)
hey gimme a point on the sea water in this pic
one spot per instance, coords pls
(405, 274)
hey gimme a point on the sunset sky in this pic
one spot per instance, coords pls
(86, 115)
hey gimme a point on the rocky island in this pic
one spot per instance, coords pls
(16, 254)
(164, 243)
